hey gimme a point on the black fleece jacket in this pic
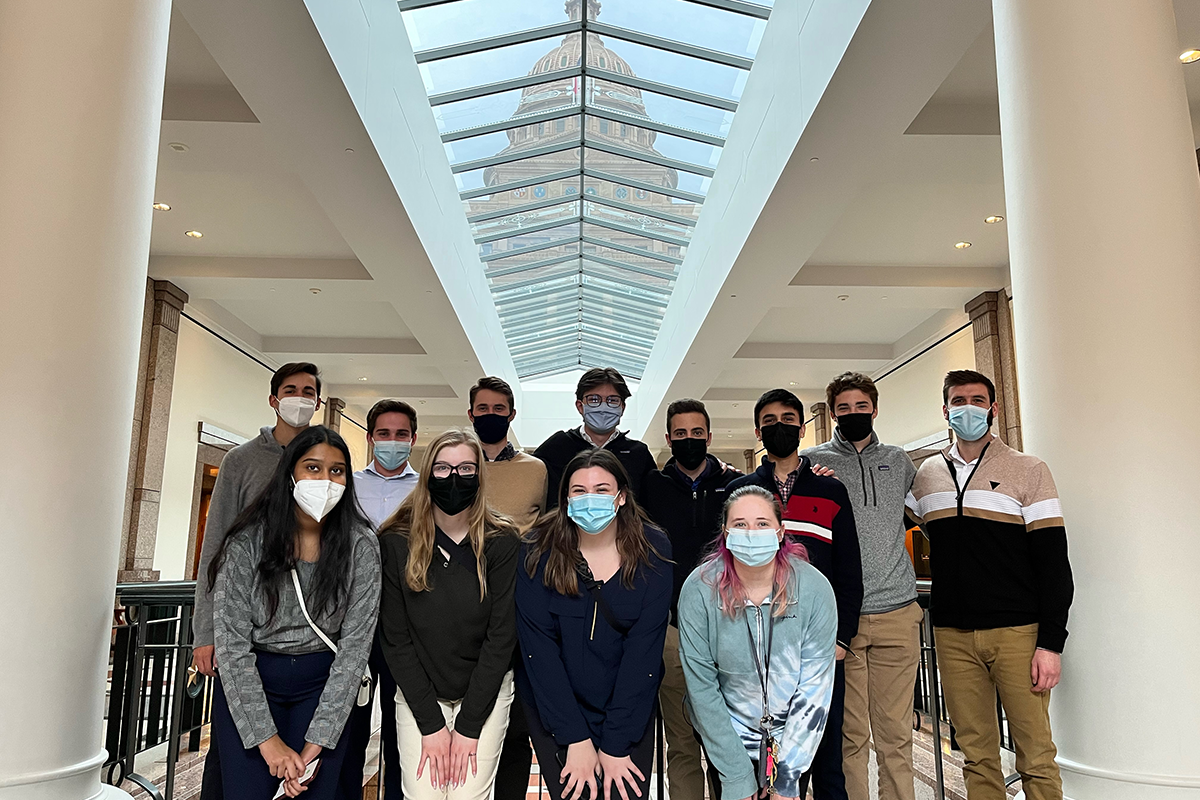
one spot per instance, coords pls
(819, 516)
(557, 451)
(691, 516)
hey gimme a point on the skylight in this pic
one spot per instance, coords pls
(583, 144)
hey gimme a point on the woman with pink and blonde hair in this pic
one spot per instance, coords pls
(758, 609)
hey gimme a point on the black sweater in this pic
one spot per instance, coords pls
(445, 643)
(691, 516)
(557, 452)
(818, 514)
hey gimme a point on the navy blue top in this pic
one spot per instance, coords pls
(589, 681)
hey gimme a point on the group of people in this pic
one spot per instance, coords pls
(501, 604)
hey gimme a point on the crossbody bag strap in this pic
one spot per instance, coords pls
(304, 609)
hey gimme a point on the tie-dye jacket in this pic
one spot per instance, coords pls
(724, 692)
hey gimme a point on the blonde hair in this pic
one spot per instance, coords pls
(414, 518)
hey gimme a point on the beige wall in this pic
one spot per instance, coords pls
(214, 383)
(910, 399)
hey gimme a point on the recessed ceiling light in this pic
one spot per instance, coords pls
(1189, 56)
(993, 219)
(362, 378)
(735, 405)
(814, 159)
(962, 245)
(178, 147)
(843, 297)
(422, 402)
(315, 290)
(161, 206)
(194, 234)
(793, 383)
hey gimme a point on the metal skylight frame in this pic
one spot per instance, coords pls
(624, 305)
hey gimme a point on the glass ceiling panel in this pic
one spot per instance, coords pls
(474, 69)
(468, 20)
(581, 246)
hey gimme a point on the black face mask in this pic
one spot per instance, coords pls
(855, 427)
(491, 428)
(454, 493)
(690, 453)
(780, 439)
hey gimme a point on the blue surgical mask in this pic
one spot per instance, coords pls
(752, 547)
(602, 419)
(391, 455)
(592, 512)
(970, 423)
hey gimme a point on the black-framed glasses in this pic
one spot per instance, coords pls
(594, 401)
(467, 469)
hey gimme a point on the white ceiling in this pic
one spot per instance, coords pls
(286, 209)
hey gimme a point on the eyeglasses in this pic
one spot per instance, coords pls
(594, 401)
(467, 469)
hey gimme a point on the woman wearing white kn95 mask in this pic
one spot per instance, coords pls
(296, 597)
(757, 608)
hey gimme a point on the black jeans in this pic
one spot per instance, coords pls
(548, 753)
(828, 780)
(359, 727)
(516, 759)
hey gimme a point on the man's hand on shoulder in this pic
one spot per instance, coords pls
(824, 472)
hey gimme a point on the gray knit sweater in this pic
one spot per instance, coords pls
(243, 625)
(245, 472)
(878, 480)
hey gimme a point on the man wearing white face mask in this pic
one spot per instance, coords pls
(245, 472)
(600, 399)
(1002, 589)
(389, 478)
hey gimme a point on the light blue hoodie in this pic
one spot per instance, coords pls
(724, 692)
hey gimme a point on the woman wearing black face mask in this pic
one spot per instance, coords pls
(447, 624)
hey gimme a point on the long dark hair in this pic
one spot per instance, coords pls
(556, 533)
(275, 511)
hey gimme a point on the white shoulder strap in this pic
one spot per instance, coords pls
(303, 608)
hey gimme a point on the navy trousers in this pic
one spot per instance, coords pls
(293, 685)
(828, 780)
(549, 752)
(360, 736)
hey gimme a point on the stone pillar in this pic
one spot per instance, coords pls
(333, 413)
(995, 357)
(152, 413)
(80, 112)
(1103, 207)
(822, 425)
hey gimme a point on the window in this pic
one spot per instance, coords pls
(560, 125)
(604, 126)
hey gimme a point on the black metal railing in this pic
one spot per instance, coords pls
(154, 696)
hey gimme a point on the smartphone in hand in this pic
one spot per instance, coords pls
(310, 772)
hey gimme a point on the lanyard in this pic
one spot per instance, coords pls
(763, 669)
(954, 474)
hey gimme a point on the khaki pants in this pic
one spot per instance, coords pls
(685, 774)
(974, 666)
(487, 754)
(879, 702)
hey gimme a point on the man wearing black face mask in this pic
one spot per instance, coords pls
(818, 514)
(685, 499)
(879, 684)
(516, 486)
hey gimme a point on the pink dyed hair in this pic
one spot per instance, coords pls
(726, 584)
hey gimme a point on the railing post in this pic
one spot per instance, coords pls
(934, 711)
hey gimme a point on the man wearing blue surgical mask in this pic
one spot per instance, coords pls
(600, 399)
(379, 490)
(389, 478)
(1002, 589)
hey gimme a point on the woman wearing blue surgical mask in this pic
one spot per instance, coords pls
(296, 596)
(593, 600)
(768, 618)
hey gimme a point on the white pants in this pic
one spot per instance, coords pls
(487, 756)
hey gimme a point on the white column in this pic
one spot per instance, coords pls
(81, 87)
(1103, 206)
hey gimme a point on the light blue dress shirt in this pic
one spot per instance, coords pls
(379, 496)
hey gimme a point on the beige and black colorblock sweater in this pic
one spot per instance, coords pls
(998, 546)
